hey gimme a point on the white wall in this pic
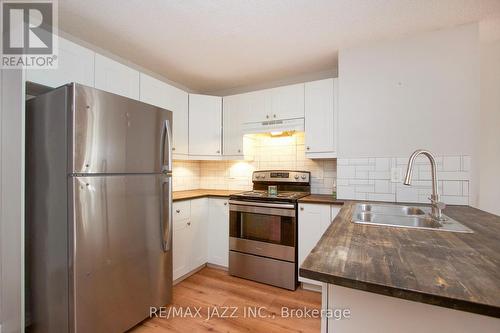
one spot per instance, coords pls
(489, 175)
(12, 201)
(418, 92)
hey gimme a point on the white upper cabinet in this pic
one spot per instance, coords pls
(234, 110)
(257, 106)
(165, 96)
(116, 78)
(285, 102)
(288, 102)
(75, 64)
(320, 118)
(205, 126)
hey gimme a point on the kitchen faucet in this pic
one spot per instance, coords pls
(437, 206)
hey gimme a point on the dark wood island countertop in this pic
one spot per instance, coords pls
(454, 270)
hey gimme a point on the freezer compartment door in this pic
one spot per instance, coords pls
(114, 134)
(120, 265)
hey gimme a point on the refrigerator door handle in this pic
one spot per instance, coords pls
(166, 145)
(166, 212)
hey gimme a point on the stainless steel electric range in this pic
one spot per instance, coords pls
(263, 228)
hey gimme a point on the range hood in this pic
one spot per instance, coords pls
(281, 125)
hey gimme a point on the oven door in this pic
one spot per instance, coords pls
(264, 229)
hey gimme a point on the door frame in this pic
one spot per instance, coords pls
(12, 142)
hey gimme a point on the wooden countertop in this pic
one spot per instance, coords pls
(454, 270)
(200, 193)
(321, 199)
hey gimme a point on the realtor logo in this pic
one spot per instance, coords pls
(28, 36)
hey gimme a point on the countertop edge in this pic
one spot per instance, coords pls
(410, 295)
(325, 199)
(201, 193)
(197, 196)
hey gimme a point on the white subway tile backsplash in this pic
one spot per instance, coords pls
(361, 174)
(407, 193)
(465, 163)
(379, 175)
(359, 161)
(346, 192)
(452, 163)
(383, 164)
(361, 196)
(383, 186)
(452, 187)
(453, 173)
(455, 200)
(457, 175)
(390, 197)
(364, 188)
(465, 188)
(269, 153)
(346, 171)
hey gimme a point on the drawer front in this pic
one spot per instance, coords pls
(270, 271)
(182, 210)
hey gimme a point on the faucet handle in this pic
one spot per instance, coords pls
(437, 203)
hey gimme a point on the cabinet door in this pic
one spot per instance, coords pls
(75, 64)
(163, 95)
(288, 102)
(320, 116)
(218, 232)
(313, 220)
(116, 78)
(181, 238)
(257, 106)
(199, 228)
(205, 125)
(233, 107)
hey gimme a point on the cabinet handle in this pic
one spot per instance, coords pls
(239, 150)
(301, 208)
(218, 151)
(189, 223)
(267, 116)
(308, 147)
(173, 148)
(225, 203)
(274, 116)
(177, 211)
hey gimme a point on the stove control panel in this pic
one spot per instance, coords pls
(282, 176)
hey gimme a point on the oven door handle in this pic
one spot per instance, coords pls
(262, 204)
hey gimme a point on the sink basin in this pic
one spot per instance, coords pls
(403, 217)
(391, 209)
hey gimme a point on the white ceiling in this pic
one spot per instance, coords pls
(215, 45)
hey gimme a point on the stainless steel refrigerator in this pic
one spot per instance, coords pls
(98, 210)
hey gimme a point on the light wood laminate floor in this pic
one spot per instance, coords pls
(214, 291)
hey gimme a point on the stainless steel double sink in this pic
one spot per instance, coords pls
(404, 217)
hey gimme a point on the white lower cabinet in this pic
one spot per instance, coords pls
(313, 220)
(181, 238)
(200, 235)
(199, 227)
(218, 231)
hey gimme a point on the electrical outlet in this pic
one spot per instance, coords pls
(396, 175)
